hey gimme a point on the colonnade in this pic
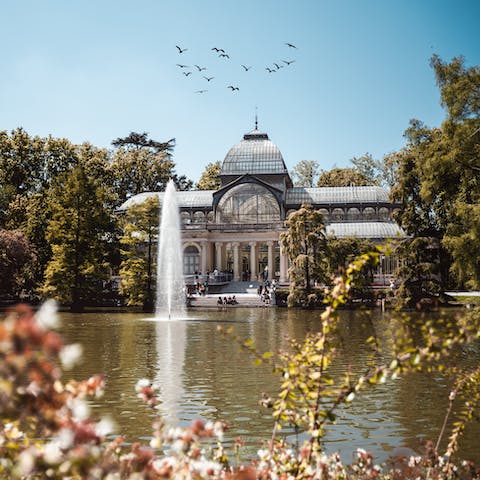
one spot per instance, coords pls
(275, 270)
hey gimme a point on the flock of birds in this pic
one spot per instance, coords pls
(188, 70)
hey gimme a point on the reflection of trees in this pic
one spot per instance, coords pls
(123, 349)
(422, 401)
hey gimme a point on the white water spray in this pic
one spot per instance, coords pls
(170, 284)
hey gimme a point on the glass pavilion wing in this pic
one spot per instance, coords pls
(365, 230)
(323, 195)
(188, 199)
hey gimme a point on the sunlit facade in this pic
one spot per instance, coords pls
(236, 229)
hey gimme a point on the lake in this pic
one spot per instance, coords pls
(203, 374)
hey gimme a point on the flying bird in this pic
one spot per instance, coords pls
(208, 78)
(269, 70)
(288, 62)
(187, 73)
(182, 66)
(233, 88)
(200, 68)
(181, 50)
(290, 45)
(224, 55)
(246, 68)
(201, 91)
(218, 50)
(277, 66)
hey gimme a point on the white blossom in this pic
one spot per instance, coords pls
(65, 438)
(80, 409)
(142, 383)
(52, 453)
(47, 316)
(104, 427)
(70, 355)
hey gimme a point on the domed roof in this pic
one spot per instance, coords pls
(255, 154)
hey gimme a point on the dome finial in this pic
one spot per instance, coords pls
(256, 118)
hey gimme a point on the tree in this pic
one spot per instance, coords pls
(439, 177)
(342, 177)
(137, 141)
(20, 167)
(17, 261)
(342, 251)
(140, 234)
(369, 168)
(389, 169)
(304, 242)
(77, 233)
(305, 173)
(418, 271)
(139, 165)
(209, 178)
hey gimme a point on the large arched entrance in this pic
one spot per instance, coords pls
(191, 260)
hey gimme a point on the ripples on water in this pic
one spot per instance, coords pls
(202, 373)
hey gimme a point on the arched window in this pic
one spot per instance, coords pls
(353, 214)
(337, 214)
(210, 217)
(198, 217)
(325, 213)
(369, 213)
(384, 213)
(248, 203)
(185, 217)
(191, 260)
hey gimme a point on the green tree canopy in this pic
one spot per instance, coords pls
(78, 234)
(140, 233)
(305, 173)
(304, 243)
(342, 177)
(439, 173)
(368, 167)
(141, 165)
(209, 178)
(137, 141)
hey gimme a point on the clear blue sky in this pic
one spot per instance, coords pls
(95, 70)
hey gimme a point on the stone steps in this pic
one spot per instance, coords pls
(210, 300)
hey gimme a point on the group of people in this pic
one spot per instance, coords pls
(227, 301)
(266, 290)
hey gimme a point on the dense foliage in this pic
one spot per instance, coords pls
(439, 175)
(59, 200)
(138, 242)
(316, 258)
(209, 178)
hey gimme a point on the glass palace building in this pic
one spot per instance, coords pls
(236, 228)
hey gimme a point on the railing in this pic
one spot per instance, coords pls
(213, 279)
(232, 226)
(271, 226)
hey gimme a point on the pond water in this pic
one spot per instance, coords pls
(203, 374)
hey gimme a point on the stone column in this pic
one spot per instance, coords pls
(253, 261)
(218, 256)
(283, 267)
(203, 257)
(271, 264)
(236, 263)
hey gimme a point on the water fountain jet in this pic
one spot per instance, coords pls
(170, 302)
